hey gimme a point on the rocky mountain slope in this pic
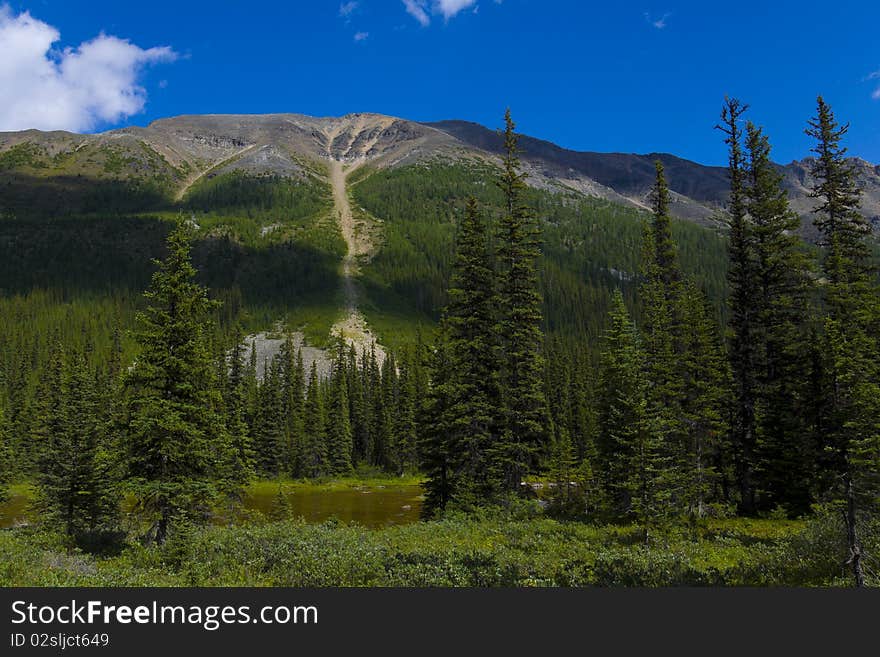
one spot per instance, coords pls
(698, 190)
(178, 152)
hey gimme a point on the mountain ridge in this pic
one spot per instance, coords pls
(186, 148)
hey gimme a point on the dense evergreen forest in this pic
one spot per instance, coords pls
(655, 379)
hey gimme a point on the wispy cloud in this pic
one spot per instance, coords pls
(361, 36)
(74, 89)
(874, 76)
(422, 10)
(417, 9)
(657, 23)
(346, 9)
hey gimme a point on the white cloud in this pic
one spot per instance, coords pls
(361, 36)
(876, 94)
(658, 23)
(417, 9)
(75, 89)
(421, 10)
(346, 9)
(449, 8)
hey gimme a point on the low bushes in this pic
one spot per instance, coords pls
(483, 550)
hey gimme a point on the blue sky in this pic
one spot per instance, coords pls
(643, 76)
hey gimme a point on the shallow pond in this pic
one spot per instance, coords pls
(366, 504)
(372, 506)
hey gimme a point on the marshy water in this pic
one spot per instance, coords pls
(366, 504)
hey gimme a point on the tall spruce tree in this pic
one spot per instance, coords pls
(5, 457)
(852, 307)
(242, 463)
(314, 452)
(292, 394)
(384, 407)
(662, 333)
(177, 441)
(340, 445)
(467, 424)
(741, 283)
(525, 418)
(704, 405)
(76, 491)
(270, 431)
(405, 429)
(622, 405)
(784, 457)
(436, 445)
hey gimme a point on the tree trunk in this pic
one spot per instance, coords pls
(855, 550)
(162, 527)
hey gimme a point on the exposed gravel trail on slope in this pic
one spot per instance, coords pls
(353, 327)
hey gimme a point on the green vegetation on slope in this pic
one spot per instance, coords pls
(590, 247)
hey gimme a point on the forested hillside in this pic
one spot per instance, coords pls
(540, 351)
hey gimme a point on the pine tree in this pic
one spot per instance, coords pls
(292, 394)
(175, 437)
(359, 403)
(340, 444)
(741, 282)
(270, 432)
(704, 405)
(469, 426)
(374, 407)
(844, 230)
(662, 332)
(314, 453)
(5, 457)
(75, 489)
(49, 411)
(566, 497)
(384, 406)
(524, 418)
(622, 405)
(852, 303)
(784, 458)
(436, 448)
(405, 435)
(241, 466)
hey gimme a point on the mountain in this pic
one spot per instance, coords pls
(698, 191)
(175, 153)
(341, 225)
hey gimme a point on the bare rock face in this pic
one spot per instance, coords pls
(268, 345)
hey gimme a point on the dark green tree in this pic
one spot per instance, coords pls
(622, 405)
(314, 452)
(469, 427)
(270, 437)
(704, 405)
(340, 445)
(241, 465)
(5, 458)
(741, 283)
(662, 331)
(852, 342)
(177, 441)
(524, 420)
(437, 455)
(76, 491)
(405, 429)
(784, 454)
